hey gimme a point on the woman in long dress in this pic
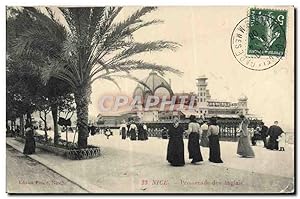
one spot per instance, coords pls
(214, 145)
(244, 148)
(29, 147)
(204, 137)
(123, 130)
(145, 131)
(140, 131)
(175, 152)
(194, 132)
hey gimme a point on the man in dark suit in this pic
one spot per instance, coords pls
(274, 132)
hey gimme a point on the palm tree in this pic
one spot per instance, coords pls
(100, 47)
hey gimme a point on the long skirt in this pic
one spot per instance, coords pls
(273, 143)
(175, 152)
(214, 149)
(145, 135)
(194, 148)
(123, 133)
(29, 147)
(141, 135)
(244, 148)
(132, 135)
(204, 139)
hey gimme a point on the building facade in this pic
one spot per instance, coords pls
(209, 107)
(203, 107)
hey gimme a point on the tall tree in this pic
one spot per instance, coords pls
(28, 60)
(99, 47)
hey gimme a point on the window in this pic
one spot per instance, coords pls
(200, 111)
(200, 99)
(201, 94)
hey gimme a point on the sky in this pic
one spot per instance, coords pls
(204, 33)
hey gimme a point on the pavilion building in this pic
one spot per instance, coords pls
(205, 106)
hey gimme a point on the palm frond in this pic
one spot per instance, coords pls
(70, 19)
(95, 17)
(117, 32)
(79, 51)
(134, 65)
(41, 34)
(137, 48)
(60, 71)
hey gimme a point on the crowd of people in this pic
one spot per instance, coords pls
(209, 138)
(274, 138)
(207, 135)
(133, 130)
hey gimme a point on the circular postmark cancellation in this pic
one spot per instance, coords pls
(258, 41)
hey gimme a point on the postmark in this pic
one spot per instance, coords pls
(258, 41)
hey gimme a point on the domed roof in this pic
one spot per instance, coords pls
(243, 97)
(202, 77)
(151, 84)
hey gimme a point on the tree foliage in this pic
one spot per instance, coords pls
(90, 44)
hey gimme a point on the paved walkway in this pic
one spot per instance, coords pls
(138, 166)
(25, 175)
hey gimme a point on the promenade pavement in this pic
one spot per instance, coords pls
(140, 166)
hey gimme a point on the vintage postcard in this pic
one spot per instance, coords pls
(143, 100)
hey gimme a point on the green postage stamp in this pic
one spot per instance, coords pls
(267, 29)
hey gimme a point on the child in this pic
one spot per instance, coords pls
(281, 142)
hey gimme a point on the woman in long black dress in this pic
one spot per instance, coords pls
(29, 147)
(140, 131)
(175, 153)
(194, 132)
(214, 145)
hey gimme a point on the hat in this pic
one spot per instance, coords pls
(242, 116)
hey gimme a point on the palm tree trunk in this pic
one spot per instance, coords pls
(45, 129)
(82, 102)
(55, 125)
